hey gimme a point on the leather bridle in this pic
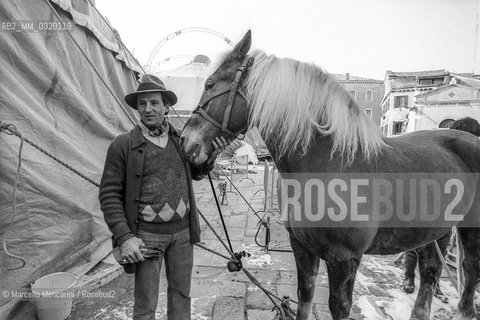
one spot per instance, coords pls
(233, 91)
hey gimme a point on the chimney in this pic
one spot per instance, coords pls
(447, 79)
(347, 76)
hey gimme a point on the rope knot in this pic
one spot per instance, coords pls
(286, 312)
(8, 128)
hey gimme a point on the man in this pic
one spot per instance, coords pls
(148, 202)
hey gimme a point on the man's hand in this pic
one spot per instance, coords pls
(219, 144)
(130, 250)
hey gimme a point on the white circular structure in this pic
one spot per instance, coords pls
(178, 33)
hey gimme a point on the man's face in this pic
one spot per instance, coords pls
(151, 109)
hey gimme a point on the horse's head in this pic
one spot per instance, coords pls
(223, 109)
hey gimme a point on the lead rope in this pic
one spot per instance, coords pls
(283, 309)
(220, 212)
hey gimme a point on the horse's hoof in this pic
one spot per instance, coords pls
(408, 286)
(439, 294)
(442, 298)
(408, 289)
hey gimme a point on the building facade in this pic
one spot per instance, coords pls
(368, 93)
(428, 100)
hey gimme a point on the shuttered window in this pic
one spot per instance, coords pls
(401, 102)
(368, 96)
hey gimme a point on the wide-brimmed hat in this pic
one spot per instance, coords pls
(150, 83)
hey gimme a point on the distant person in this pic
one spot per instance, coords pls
(147, 199)
(469, 125)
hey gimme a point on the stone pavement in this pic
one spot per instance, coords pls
(219, 294)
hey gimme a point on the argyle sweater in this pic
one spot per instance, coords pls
(120, 187)
(163, 205)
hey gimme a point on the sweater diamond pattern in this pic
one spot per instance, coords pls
(166, 213)
(148, 214)
(181, 208)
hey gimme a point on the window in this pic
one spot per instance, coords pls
(430, 81)
(368, 112)
(401, 102)
(386, 106)
(446, 124)
(368, 96)
(352, 94)
(425, 82)
(397, 127)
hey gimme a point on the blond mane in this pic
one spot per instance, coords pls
(291, 101)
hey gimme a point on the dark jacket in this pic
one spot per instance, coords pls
(121, 185)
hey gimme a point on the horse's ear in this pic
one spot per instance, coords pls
(241, 49)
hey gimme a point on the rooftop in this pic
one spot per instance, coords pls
(348, 77)
(427, 73)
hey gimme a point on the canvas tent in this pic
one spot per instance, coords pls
(187, 82)
(63, 90)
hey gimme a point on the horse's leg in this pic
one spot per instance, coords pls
(430, 268)
(408, 284)
(471, 266)
(341, 278)
(307, 269)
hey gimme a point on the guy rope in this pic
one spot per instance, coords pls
(11, 129)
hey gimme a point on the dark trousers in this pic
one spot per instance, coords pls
(178, 256)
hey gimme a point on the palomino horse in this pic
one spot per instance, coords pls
(312, 127)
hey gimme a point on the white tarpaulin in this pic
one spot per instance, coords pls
(246, 152)
(54, 97)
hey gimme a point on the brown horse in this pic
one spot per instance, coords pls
(326, 147)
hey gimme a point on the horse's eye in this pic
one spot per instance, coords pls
(209, 85)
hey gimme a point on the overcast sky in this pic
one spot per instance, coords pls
(362, 37)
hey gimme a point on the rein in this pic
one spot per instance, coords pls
(235, 263)
(233, 91)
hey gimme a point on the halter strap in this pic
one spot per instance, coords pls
(233, 90)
